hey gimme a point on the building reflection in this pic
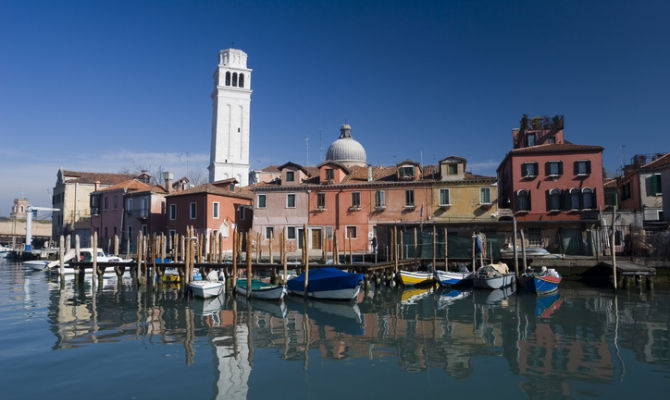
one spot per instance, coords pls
(550, 342)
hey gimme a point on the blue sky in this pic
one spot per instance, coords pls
(106, 86)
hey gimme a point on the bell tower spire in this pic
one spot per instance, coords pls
(231, 99)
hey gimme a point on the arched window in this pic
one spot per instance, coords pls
(227, 78)
(575, 199)
(241, 81)
(523, 200)
(588, 199)
(234, 78)
(554, 200)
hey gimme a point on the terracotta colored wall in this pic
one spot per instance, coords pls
(110, 217)
(395, 205)
(338, 214)
(278, 216)
(539, 185)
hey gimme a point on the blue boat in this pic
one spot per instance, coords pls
(541, 282)
(327, 283)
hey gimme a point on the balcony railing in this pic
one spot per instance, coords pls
(141, 213)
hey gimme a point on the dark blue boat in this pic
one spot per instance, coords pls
(327, 283)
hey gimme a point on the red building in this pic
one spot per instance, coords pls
(544, 177)
(212, 207)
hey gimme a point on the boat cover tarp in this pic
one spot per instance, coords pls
(500, 267)
(329, 278)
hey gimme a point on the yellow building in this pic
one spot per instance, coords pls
(462, 197)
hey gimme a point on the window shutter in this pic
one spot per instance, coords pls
(566, 200)
(547, 169)
(593, 200)
(588, 167)
(575, 168)
(560, 167)
(548, 198)
(524, 170)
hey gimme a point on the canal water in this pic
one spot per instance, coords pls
(119, 342)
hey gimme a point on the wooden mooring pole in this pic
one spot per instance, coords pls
(249, 263)
(612, 249)
(235, 251)
(304, 232)
(446, 257)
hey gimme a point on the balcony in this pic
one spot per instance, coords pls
(140, 213)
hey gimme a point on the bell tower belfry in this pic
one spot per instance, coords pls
(231, 99)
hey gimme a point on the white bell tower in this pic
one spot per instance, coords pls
(231, 99)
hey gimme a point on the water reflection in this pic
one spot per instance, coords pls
(551, 341)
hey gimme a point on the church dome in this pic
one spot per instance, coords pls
(346, 150)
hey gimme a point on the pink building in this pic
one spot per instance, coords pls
(552, 179)
(107, 209)
(212, 207)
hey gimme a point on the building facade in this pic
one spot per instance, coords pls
(640, 187)
(231, 100)
(71, 197)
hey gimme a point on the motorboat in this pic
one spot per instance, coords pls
(327, 283)
(37, 265)
(260, 289)
(531, 252)
(413, 278)
(207, 289)
(493, 276)
(541, 280)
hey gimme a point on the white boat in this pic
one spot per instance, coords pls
(451, 278)
(493, 276)
(86, 255)
(531, 252)
(37, 265)
(206, 289)
(4, 251)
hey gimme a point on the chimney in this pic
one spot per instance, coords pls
(97, 186)
(369, 173)
(168, 176)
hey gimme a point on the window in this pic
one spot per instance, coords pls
(575, 199)
(529, 170)
(215, 210)
(530, 139)
(227, 78)
(409, 198)
(290, 200)
(351, 232)
(173, 212)
(444, 197)
(116, 202)
(588, 199)
(535, 237)
(243, 213)
(380, 199)
(523, 200)
(551, 140)
(290, 232)
(234, 78)
(329, 232)
(485, 195)
(406, 172)
(625, 191)
(129, 204)
(582, 168)
(330, 174)
(290, 176)
(261, 201)
(106, 202)
(321, 201)
(241, 81)
(452, 169)
(656, 185)
(355, 199)
(554, 200)
(269, 232)
(553, 168)
(193, 210)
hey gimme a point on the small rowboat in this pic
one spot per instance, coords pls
(206, 289)
(449, 278)
(493, 276)
(542, 281)
(260, 289)
(413, 278)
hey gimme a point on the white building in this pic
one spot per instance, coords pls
(231, 100)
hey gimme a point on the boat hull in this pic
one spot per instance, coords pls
(541, 284)
(276, 292)
(206, 289)
(37, 265)
(336, 294)
(327, 283)
(495, 282)
(413, 278)
(449, 278)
